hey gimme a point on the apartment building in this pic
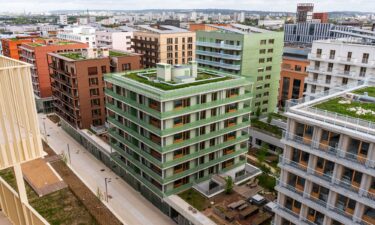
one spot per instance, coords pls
(78, 86)
(304, 12)
(164, 44)
(114, 39)
(36, 55)
(328, 165)
(293, 74)
(173, 127)
(337, 62)
(245, 51)
(82, 34)
(306, 33)
(10, 46)
(63, 19)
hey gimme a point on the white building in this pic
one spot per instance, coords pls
(338, 62)
(114, 39)
(63, 19)
(83, 21)
(327, 172)
(79, 34)
(271, 23)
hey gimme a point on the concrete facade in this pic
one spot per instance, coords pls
(114, 39)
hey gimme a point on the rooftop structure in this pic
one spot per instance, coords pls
(328, 165)
(79, 34)
(173, 127)
(244, 51)
(10, 46)
(114, 39)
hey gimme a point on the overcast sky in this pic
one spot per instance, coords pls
(264, 5)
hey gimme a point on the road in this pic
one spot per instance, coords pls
(129, 206)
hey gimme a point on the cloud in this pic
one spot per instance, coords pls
(265, 5)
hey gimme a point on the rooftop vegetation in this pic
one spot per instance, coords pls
(195, 199)
(117, 54)
(276, 131)
(370, 91)
(73, 55)
(167, 87)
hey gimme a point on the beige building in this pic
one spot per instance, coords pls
(164, 44)
(20, 139)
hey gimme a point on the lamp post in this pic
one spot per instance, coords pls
(106, 181)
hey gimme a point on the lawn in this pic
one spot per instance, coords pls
(266, 127)
(369, 90)
(279, 116)
(167, 87)
(73, 55)
(195, 199)
(266, 181)
(117, 54)
(333, 105)
(58, 208)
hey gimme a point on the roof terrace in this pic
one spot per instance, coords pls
(351, 107)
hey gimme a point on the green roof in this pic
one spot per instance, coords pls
(73, 55)
(116, 53)
(164, 86)
(345, 106)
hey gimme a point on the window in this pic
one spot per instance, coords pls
(362, 72)
(181, 103)
(126, 66)
(259, 78)
(95, 102)
(269, 59)
(262, 51)
(92, 71)
(94, 92)
(268, 77)
(268, 68)
(260, 70)
(365, 57)
(271, 41)
(261, 60)
(270, 50)
(169, 40)
(263, 42)
(93, 81)
(332, 54)
(266, 85)
(104, 69)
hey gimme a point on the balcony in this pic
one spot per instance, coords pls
(318, 82)
(331, 153)
(218, 55)
(219, 64)
(219, 45)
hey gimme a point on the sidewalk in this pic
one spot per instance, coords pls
(126, 203)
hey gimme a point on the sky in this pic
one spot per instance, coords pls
(262, 5)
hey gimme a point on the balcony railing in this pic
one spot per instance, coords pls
(334, 151)
(219, 64)
(218, 55)
(219, 45)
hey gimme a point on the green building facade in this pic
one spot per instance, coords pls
(245, 51)
(168, 136)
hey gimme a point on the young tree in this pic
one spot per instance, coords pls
(257, 113)
(269, 118)
(262, 153)
(229, 185)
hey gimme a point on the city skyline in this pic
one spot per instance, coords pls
(270, 5)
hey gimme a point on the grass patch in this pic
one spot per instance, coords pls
(369, 90)
(117, 54)
(195, 199)
(266, 127)
(58, 208)
(279, 116)
(167, 87)
(73, 55)
(333, 105)
(266, 181)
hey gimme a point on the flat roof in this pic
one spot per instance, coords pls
(163, 29)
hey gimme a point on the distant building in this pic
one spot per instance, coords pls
(80, 34)
(63, 20)
(114, 39)
(10, 46)
(304, 12)
(293, 74)
(77, 83)
(323, 17)
(169, 22)
(339, 62)
(165, 44)
(306, 33)
(272, 24)
(36, 54)
(244, 51)
(83, 21)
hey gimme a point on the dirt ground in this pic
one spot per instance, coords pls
(96, 208)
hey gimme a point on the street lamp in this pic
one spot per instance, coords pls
(106, 181)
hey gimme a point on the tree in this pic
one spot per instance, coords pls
(262, 153)
(257, 113)
(229, 185)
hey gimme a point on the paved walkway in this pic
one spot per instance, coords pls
(126, 203)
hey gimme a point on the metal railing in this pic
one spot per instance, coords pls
(219, 45)
(334, 151)
(217, 54)
(219, 64)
